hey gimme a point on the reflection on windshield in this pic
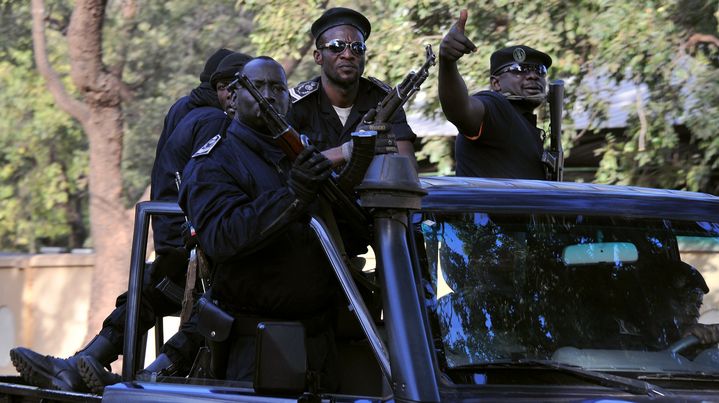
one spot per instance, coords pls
(602, 293)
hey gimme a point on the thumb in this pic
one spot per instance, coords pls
(462, 21)
(369, 116)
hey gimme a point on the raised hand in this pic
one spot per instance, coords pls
(455, 43)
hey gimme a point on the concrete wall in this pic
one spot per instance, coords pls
(44, 300)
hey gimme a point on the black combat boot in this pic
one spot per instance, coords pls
(162, 366)
(50, 372)
(97, 376)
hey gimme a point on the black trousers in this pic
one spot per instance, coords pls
(181, 348)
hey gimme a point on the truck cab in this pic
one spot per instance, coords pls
(521, 290)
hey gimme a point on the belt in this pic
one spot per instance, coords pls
(246, 321)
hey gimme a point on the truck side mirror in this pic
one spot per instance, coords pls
(281, 361)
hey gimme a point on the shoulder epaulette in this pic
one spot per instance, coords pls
(303, 89)
(205, 149)
(376, 81)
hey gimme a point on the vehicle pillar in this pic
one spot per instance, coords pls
(391, 189)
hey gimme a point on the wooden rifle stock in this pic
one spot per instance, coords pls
(292, 144)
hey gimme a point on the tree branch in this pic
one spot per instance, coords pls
(100, 87)
(290, 63)
(129, 26)
(64, 101)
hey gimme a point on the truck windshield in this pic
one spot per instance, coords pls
(601, 293)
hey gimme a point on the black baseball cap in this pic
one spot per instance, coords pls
(517, 54)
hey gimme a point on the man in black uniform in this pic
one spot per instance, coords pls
(330, 107)
(195, 129)
(498, 137)
(169, 266)
(247, 202)
(202, 95)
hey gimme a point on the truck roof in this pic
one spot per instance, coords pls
(514, 196)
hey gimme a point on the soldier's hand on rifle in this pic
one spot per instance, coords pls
(309, 170)
(385, 143)
(455, 44)
(170, 262)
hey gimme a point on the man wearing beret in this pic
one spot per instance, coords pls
(329, 108)
(187, 125)
(498, 137)
(198, 127)
(202, 95)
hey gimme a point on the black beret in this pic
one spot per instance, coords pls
(227, 68)
(341, 16)
(517, 54)
(211, 64)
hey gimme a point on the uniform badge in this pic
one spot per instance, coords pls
(205, 149)
(303, 89)
(519, 55)
(380, 84)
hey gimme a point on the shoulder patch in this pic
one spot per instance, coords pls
(303, 89)
(376, 81)
(205, 149)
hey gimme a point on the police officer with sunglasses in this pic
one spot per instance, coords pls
(330, 107)
(498, 137)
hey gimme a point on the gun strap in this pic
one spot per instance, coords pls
(188, 299)
(198, 268)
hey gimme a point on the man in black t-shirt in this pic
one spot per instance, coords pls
(330, 107)
(498, 137)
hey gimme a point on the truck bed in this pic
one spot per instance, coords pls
(13, 389)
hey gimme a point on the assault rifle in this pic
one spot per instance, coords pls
(292, 143)
(354, 172)
(553, 158)
(400, 94)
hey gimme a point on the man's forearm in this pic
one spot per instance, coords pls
(335, 156)
(453, 94)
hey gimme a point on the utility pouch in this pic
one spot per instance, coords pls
(212, 322)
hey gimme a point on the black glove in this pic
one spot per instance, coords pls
(170, 262)
(386, 142)
(309, 170)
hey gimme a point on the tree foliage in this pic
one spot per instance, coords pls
(670, 48)
(43, 163)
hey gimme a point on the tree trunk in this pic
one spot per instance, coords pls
(110, 222)
(100, 114)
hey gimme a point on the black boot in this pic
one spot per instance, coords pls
(50, 372)
(95, 375)
(162, 366)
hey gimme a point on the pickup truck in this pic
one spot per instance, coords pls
(492, 290)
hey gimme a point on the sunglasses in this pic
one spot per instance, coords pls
(524, 69)
(339, 46)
